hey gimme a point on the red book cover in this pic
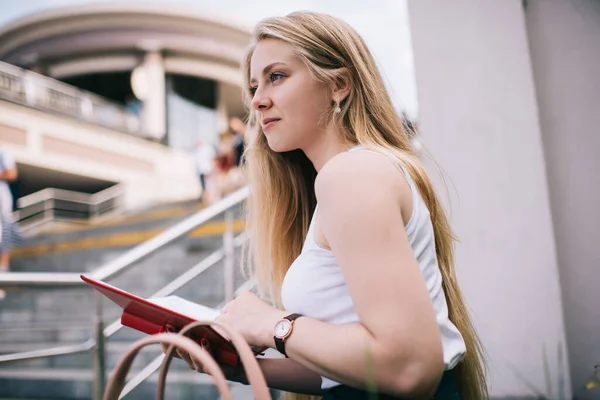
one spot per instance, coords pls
(151, 316)
(140, 324)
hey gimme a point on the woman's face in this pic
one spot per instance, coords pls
(290, 104)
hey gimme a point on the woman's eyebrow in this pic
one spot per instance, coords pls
(268, 68)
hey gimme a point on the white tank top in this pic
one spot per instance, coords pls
(314, 285)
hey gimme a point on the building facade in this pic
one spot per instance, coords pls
(99, 95)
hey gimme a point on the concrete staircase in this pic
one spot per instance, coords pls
(39, 319)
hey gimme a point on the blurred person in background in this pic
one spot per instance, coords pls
(225, 161)
(238, 130)
(8, 230)
(205, 162)
(133, 104)
(349, 244)
(8, 173)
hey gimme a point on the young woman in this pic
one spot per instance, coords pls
(349, 242)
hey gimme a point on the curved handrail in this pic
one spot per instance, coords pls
(129, 258)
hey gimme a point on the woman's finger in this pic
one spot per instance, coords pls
(186, 357)
(197, 364)
(165, 349)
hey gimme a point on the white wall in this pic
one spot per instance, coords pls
(565, 49)
(150, 173)
(478, 117)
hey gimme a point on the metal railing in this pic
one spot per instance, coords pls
(52, 204)
(37, 91)
(124, 262)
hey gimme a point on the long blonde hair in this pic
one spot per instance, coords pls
(282, 197)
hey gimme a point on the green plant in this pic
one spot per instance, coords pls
(371, 384)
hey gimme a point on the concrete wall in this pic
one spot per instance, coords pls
(149, 172)
(478, 117)
(565, 50)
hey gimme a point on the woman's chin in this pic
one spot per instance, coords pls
(279, 146)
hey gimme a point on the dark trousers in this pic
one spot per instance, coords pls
(447, 390)
(203, 182)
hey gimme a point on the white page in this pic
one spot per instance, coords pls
(187, 308)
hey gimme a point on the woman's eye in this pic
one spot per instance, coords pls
(275, 76)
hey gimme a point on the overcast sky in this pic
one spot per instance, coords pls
(383, 24)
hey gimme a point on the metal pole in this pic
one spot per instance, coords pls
(228, 250)
(99, 360)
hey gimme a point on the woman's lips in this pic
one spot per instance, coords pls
(270, 124)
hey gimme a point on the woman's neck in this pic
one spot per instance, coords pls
(322, 151)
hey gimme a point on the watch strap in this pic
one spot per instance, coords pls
(292, 317)
(280, 343)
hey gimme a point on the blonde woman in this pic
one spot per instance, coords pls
(350, 246)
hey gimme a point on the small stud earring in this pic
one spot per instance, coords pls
(337, 108)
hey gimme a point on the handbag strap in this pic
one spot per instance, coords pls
(117, 381)
(252, 370)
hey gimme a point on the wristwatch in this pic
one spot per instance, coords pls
(283, 330)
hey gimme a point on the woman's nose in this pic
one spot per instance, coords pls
(260, 101)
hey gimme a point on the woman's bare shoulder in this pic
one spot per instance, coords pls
(359, 173)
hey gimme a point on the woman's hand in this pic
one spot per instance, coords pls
(253, 318)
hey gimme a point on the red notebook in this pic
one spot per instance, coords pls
(151, 316)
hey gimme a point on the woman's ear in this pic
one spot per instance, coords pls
(342, 84)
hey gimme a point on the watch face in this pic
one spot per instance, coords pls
(282, 328)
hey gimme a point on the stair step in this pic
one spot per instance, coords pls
(157, 219)
(112, 345)
(85, 361)
(182, 386)
(168, 212)
(87, 375)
